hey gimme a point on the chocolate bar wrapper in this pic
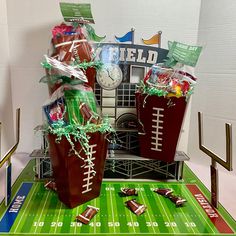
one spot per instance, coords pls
(74, 98)
(87, 215)
(163, 191)
(87, 114)
(177, 200)
(51, 185)
(128, 192)
(135, 207)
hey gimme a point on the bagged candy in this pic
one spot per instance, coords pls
(81, 106)
(70, 44)
(54, 111)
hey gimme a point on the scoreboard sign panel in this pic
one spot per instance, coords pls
(131, 54)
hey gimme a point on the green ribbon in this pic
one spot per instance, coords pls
(92, 35)
(46, 65)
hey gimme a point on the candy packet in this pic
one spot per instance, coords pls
(128, 192)
(87, 215)
(81, 106)
(136, 207)
(55, 111)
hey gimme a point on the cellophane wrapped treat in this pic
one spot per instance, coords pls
(71, 51)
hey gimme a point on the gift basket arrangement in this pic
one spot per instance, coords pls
(161, 100)
(76, 130)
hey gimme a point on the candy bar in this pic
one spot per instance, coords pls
(177, 200)
(87, 215)
(128, 192)
(135, 207)
(51, 185)
(87, 114)
(163, 191)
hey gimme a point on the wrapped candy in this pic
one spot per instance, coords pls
(87, 215)
(128, 192)
(55, 110)
(51, 185)
(178, 201)
(168, 193)
(71, 48)
(163, 191)
(135, 207)
(168, 82)
(62, 29)
(81, 105)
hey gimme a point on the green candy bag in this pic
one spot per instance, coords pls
(75, 99)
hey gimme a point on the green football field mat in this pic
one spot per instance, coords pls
(35, 210)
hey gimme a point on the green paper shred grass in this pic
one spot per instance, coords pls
(92, 64)
(150, 90)
(143, 88)
(78, 133)
(82, 65)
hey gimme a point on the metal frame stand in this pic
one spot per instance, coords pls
(122, 165)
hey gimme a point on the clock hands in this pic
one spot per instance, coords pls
(110, 77)
(108, 72)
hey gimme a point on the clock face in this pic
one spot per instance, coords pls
(110, 76)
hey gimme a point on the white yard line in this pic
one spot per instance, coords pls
(131, 217)
(42, 211)
(112, 210)
(147, 209)
(77, 213)
(187, 221)
(165, 212)
(58, 216)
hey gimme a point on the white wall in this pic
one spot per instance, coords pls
(6, 116)
(30, 23)
(215, 94)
